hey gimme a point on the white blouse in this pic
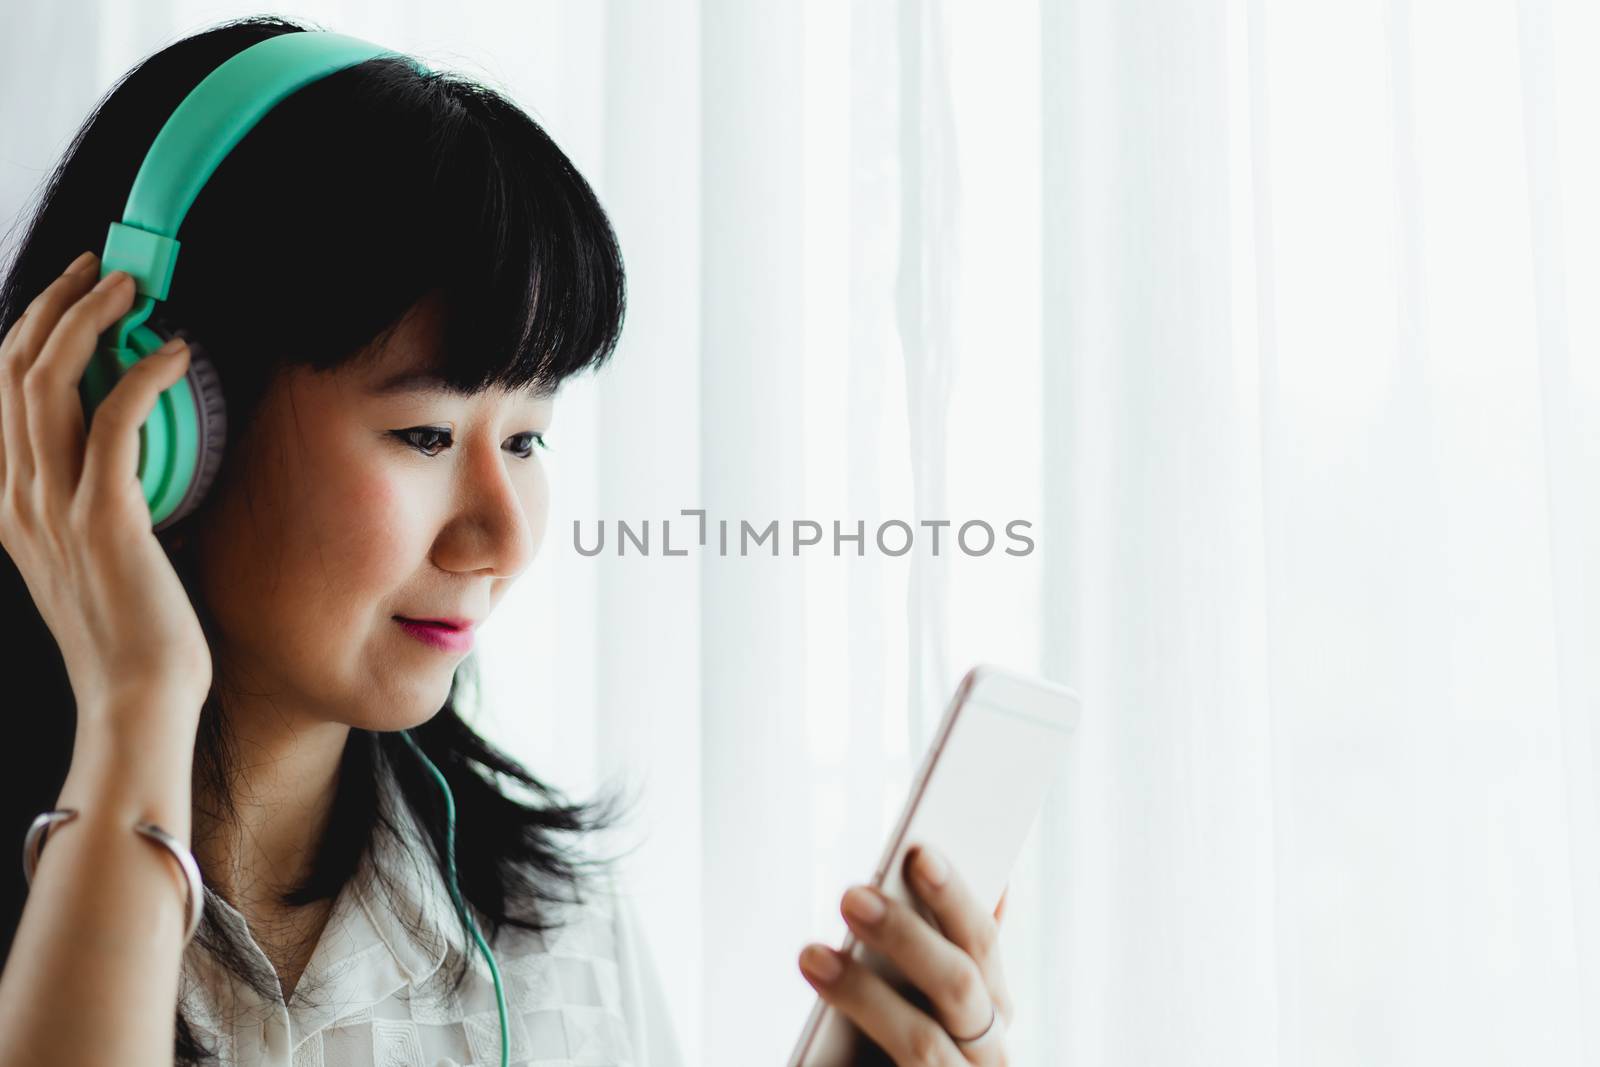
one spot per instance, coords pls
(585, 995)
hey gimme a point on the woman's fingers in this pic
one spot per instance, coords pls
(34, 324)
(91, 561)
(951, 962)
(111, 459)
(967, 923)
(946, 975)
(50, 386)
(907, 1034)
(21, 347)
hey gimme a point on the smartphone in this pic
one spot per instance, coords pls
(982, 783)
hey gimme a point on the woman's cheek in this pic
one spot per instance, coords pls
(355, 540)
(380, 516)
(374, 495)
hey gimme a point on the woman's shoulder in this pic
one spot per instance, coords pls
(591, 926)
(640, 979)
(564, 987)
(600, 960)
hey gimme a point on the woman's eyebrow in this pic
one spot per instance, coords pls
(428, 383)
(416, 382)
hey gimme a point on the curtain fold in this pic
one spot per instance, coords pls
(1270, 319)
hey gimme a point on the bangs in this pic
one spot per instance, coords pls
(378, 187)
(528, 271)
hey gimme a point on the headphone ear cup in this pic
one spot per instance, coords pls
(205, 386)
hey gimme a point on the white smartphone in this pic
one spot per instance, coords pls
(1002, 741)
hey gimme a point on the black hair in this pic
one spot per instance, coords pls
(351, 202)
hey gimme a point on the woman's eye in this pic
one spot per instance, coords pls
(525, 451)
(423, 439)
(424, 433)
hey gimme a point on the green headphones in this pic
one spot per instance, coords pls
(181, 443)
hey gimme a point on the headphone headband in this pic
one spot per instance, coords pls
(181, 442)
(200, 133)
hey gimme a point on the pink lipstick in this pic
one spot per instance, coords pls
(445, 638)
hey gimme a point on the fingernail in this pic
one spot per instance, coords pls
(110, 281)
(863, 904)
(79, 263)
(821, 963)
(172, 345)
(931, 866)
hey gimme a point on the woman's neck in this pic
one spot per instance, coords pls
(263, 844)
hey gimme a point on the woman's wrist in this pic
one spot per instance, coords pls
(129, 774)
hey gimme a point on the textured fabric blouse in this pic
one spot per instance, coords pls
(585, 995)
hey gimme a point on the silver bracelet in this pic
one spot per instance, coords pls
(33, 845)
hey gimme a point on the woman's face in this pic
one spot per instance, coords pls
(336, 524)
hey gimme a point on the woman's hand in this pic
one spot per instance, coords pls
(73, 517)
(956, 967)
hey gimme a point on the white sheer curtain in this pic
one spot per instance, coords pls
(1276, 321)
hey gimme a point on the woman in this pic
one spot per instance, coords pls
(393, 273)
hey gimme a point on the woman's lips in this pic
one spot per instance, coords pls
(441, 637)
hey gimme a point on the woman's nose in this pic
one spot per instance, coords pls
(501, 516)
